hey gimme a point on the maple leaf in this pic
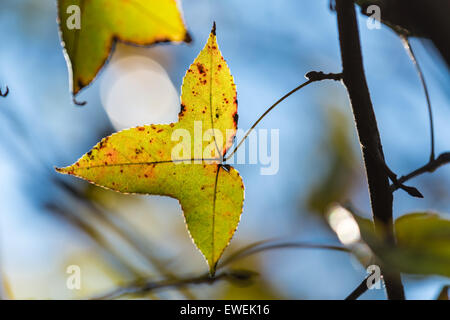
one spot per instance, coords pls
(89, 40)
(150, 159)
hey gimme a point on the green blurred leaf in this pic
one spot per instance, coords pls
(423, 243)
(258, 288)
(336, 148)
(423, 240)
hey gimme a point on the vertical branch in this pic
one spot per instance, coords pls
(369, 137)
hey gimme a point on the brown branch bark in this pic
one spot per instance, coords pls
(369, 137)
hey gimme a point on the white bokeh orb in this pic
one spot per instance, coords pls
(136, 90)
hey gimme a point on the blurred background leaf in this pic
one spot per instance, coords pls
(423, 244)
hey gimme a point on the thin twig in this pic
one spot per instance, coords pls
(412, 191)
(408, 47)
(119, 262)
(139, 287)
(312, 76)
(431, 166)
(121, 228)
(359, 290)
(263, 246)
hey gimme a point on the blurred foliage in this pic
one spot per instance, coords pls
(423, 244)
(256, 289)
(341, 165)
(443, 295)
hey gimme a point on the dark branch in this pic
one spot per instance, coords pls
(146, 287)
(265, 245)
(319, 76)
(359, 290)
(369, 137)
(412, 191)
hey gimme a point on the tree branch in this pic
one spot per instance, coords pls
(369, 137)
(265, 245)
(431, 166)
(359, 290)
(140, 287)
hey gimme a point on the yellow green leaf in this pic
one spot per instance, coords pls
(90, 28)
(423, 243)
(150, 159)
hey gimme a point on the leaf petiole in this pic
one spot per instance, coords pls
(312, 76)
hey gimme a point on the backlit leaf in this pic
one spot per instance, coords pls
(148, 159)
(90, 28)
(423, 243)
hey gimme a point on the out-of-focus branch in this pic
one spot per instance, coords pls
(140, 287)
(431, 166)
(119, 262)
(146, 287)
(121, 227)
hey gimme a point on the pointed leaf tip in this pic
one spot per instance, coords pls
(62, 170)
(213, 30)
